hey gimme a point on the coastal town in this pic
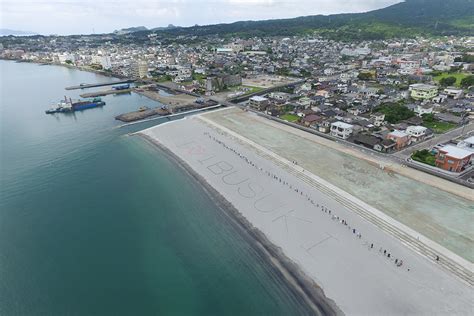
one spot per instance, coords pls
(410, 100)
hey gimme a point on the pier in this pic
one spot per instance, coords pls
(104, 93)
(93, 85)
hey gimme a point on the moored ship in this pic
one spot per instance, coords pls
(70, 106)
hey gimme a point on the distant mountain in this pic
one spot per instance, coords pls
(144, 29)
(408, 18)
(169, 27)
(131, 30)
(7, 32)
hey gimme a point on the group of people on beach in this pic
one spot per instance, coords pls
(334, 217)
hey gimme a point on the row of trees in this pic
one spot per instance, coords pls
(465, 82)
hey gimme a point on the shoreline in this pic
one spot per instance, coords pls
(303, 287)
(45, 63)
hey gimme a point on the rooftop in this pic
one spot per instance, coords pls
(416, 128)
(456, 152)
(342, 125)
(422, 86)
(398, 134)
(258, 98)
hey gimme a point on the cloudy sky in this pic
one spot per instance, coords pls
(101, 16)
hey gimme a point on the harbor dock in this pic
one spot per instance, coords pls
(93, 85)
(104, 92)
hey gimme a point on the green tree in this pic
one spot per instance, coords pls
(365, 76)
(468, 58)
(447, 81)
(428, 117)
(468, 81)
(394, 113)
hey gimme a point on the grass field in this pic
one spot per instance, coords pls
(439, 127)
(459, 76)
(290, 117)
(252, 89)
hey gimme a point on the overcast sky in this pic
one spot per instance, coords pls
(103, 16)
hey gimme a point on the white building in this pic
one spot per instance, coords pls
(424, 109)
(105, 62)
(63, 58)
(454, 93)
(341, 130)
(416, 133)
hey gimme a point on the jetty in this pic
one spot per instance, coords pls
(93, 85)
(104, 93)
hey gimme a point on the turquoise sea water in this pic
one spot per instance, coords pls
(94, 222)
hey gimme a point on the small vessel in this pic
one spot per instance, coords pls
(60, 107)
(70, 106)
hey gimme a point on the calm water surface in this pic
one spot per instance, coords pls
(94, 222)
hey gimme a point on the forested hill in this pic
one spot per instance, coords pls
(412, 17)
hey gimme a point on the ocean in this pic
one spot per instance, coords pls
(96, 222)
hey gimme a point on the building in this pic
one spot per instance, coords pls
(66, 58)
(423, 109)
(467, 144)
(223, 50)
(235, 47)
(378, 119)
(258, 103)
(105, 62)
(416, 133)
(341, 130)
(421, 91)
(366, 140)
(184, 74)
(140, 69)
(454, 93)
(216, 83)
(453, 158)
(400, 138)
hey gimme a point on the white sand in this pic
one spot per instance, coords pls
(361, 281)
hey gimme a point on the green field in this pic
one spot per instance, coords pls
(424, 156)
(458, 75)
(290, 117)
(439, 127)
(240, 88)
(252, 89)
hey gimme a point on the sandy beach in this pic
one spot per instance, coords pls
(347, 259)
(310, 294)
